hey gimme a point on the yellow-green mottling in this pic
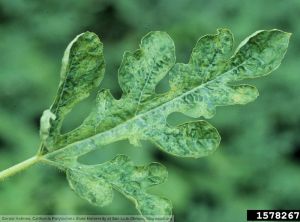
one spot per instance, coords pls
(95, 184)
(196, 89)
(82, 71)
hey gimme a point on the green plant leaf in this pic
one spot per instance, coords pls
(196, 89)
(95, 184)
(81, 72)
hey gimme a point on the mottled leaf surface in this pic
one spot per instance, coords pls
(197, 88)
(210, 79)
(82, 71)
(96, 183)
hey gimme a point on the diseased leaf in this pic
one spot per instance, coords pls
(82, 71)
(196, 89)
(181, 140)
(95, 184)
(141, 71)
(94, 189)
(139, 74)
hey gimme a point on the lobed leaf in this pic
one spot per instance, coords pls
(197, 88)
(95, 184)
(81, 72)
(208, 80)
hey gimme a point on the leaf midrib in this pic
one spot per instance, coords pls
(69, 146)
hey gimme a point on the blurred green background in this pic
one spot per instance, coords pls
(258, 163)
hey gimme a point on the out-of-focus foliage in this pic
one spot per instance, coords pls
(258, 163)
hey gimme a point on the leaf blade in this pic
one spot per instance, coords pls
(197, 88)
(82, 71)
(95, 183)
(201, 100)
